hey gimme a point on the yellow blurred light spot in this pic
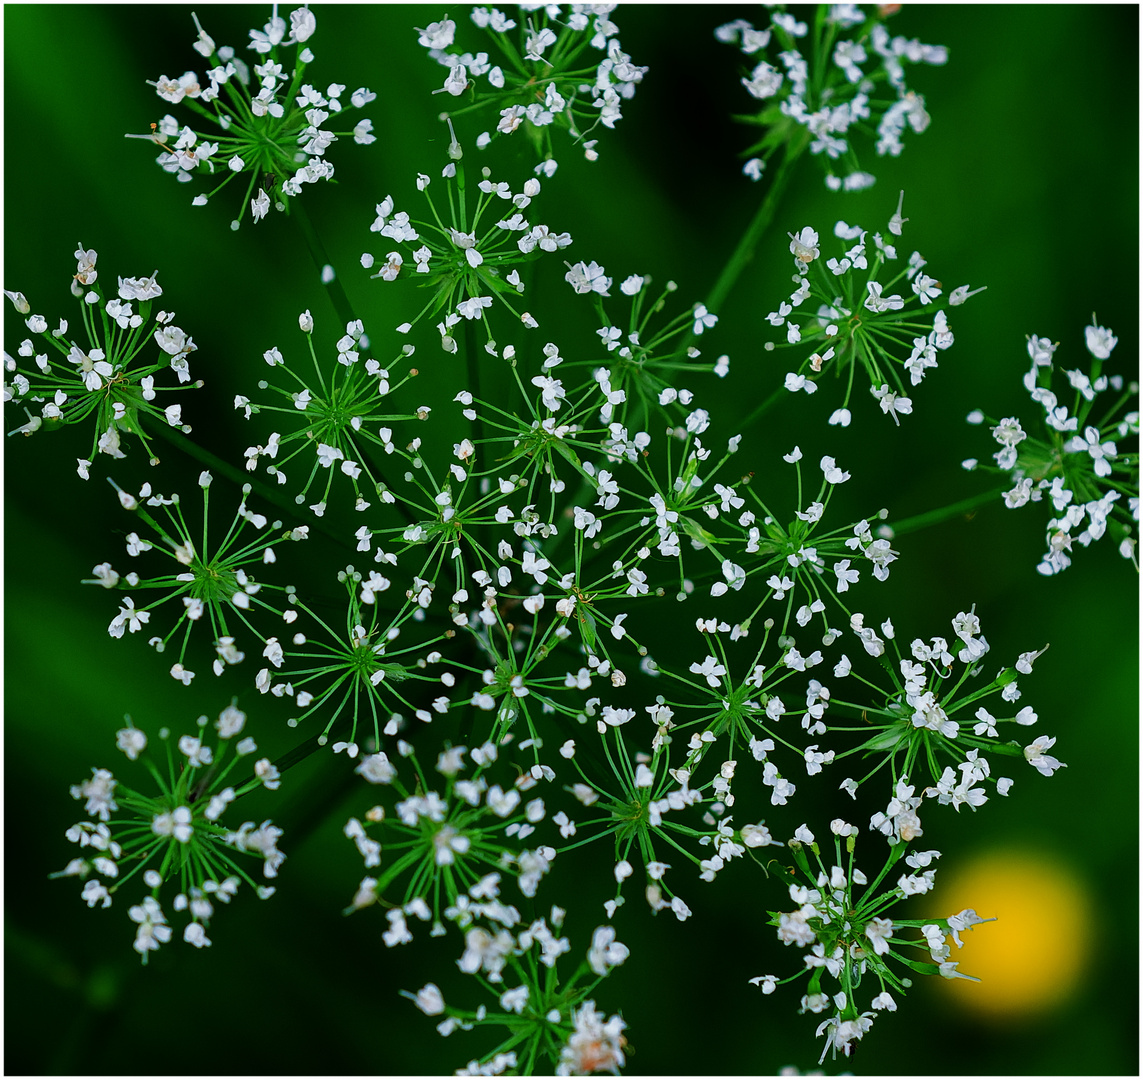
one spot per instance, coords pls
(1031, 958)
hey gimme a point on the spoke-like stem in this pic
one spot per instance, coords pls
(238, 476)
(934, 517)
(472, 359)
(765, 406)
(744, 251)
(316, 810)
(212, 461)
(298, 754)
(334, 288)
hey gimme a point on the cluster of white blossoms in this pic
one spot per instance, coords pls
(833, 77)
(841, 922)
(176, 837)
(536, 78)
(468, 256)
(590, 632)
(856, 323)
(111, 374)
(272, 127)
(1079, 463)
(515, 959)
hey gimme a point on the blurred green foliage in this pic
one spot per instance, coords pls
(1026, 182)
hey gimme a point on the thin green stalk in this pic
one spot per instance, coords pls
(934, 517)
(334, 288)
(239, 477)
(744, 251)
(763, 407)
(298, 754)
(325, 797)
(748, 241)
(472, 359)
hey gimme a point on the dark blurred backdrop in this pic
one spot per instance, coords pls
(1026, 182)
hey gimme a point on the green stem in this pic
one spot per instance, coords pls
(744, 252)
(322, 798)
(212, 461)
(298, 754)
(334, 288)
(760, 409)
(472, 360)
(933, 517)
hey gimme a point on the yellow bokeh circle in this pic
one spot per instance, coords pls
(1033, 956)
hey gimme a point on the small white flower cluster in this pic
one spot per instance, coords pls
(840, 924)
(545, 41)
(508, 944)
(214, 583)
(844, 325)
(265, 133)
(1078, 466)
(105, 376)
(186, 816)
(833, 104)
(922, 707)
(463, 266)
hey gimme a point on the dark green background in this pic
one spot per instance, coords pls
(1027, 181)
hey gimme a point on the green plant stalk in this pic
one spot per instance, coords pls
(763, 407)
(935, 517)
(744, 251)
(334, 288)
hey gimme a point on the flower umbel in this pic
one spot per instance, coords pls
(858, 322)
(837, 76)
(271, 129)
(1079, 463)
(111, 374)
(214, 580)
(841, 924)
(468, 257)
(175, 837)
(542, 78)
